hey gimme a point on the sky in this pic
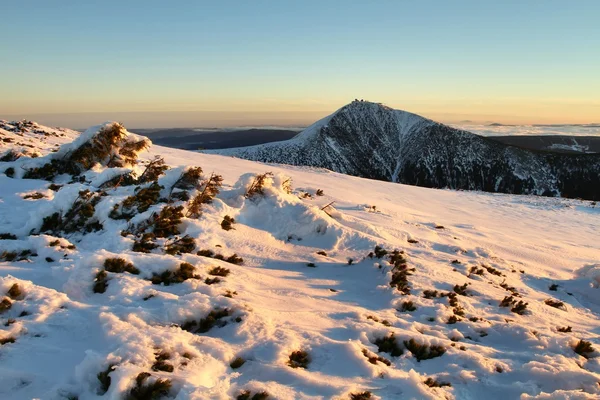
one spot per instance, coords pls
(229, 63)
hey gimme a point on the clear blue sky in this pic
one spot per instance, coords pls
(231, 62)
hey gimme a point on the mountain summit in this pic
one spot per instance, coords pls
(374, 141)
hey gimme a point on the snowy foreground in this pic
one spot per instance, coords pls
(222, 336)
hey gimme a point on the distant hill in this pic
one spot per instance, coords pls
(374, 141)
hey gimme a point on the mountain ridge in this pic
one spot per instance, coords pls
(406, 148)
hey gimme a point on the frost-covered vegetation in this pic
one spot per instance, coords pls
(136, 272)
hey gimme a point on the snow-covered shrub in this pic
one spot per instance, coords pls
(211, 188)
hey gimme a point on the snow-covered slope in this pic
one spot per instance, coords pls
(307, 277)
(374, 141)
(30, 138)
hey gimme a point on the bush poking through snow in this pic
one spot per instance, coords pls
(430, 294)
(104, 378)
(299, 359)
(388, 344)
(374, 358)
(584, 349)
(234, 259)
(322, 253)
(556, 304)
(408, 306)
(366, 395)
(186, 244)
(205, 196)
(227, 223)
(424, 351)
(5, 305)
(79, 218)
(432, 382)
(34, 196)
(181, 274)
(7, 236)
(237, 363)
(157, 389)
(247, 395)
(452, 319)
(462, 290)
(212, 281)
(120, 265)
(15, 292)
(101, 282)
(108, 147)
(319, 192)
(219, 271)
(553, 287)
(145, 243)
(516, 307)
(257, 186)
(166, 223)
(214, 318)
(161, 363)
(565, 329)
(311, 265)
(189, 179)
(154, 169)
(205, 253)
(140, 202)
(7, 340)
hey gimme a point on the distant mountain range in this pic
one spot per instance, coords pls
(374, 141)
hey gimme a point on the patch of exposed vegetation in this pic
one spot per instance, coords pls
(256, 188)
(104, 378)
(408, 306)
(211, 188)
(555, 304)
(100, 282)
(227, 223)
(519, 307)
(15, 292)
(219, 271)
(432, 382)
(374, 358)
(237, 363)
(186, 244)
(145, 243)
(388, 344)
(120, 265)
(424, 351)
(161, 364)
(584, 349)
(247, 395)
(140, 202)
(79, 218)
(213, 319)
(184, 272)
(299, 359)
(143, 390)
